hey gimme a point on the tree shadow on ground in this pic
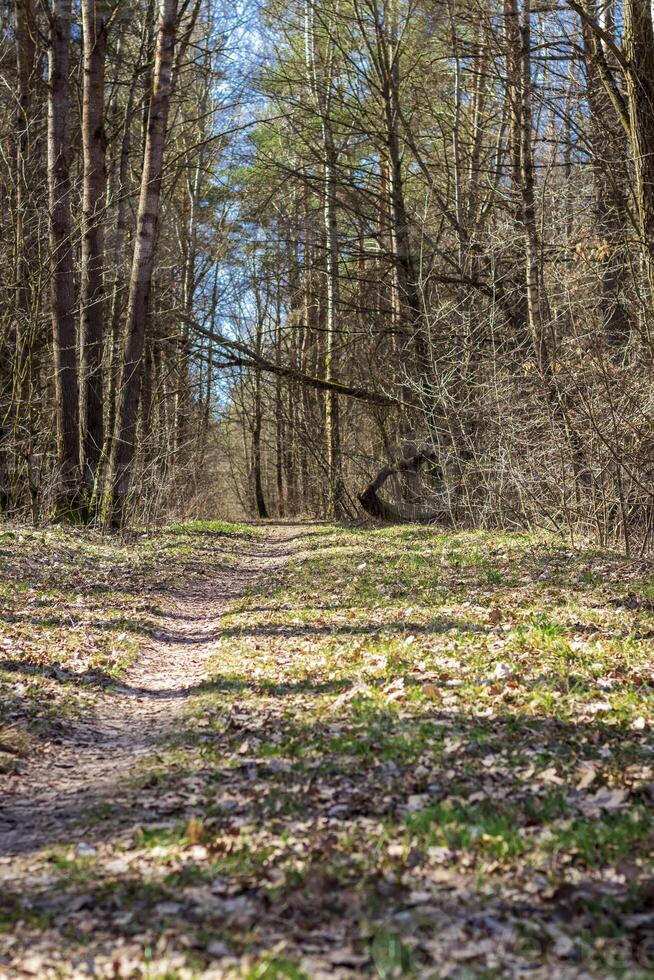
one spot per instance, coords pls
(296, 838)
(436, 626)
(122, 624)
(382, 750)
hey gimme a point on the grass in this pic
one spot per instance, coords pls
(224, 528)
(415, 751)
(76, 606)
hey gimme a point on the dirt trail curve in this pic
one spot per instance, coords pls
(132, 716)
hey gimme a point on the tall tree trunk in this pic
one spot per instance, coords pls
(118, 260)
(608, 147)
(262, 510)
(206, 397)
(406, 298)
(94, 25)
(17, 369)
(636, 60)
(306, 349)
(518, 65)
(123, 447)
(321, 90)
(25, 63)
(280, 448)
(639, 52)
(335, 491)
(388, 290)
(405, 271)
(61, 253)
(519, 86)
(537, 304)
(189, 283)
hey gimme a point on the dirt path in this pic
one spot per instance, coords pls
(47, 801)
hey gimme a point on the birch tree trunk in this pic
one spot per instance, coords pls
(94, 25)
(123, 447)
(257, 481)
(332, 408)
(61, 253)
(537, 305)
(321, 90)
(518, 73)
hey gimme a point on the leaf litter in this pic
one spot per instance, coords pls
(364, 777)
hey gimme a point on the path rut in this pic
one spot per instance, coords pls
(46, 801)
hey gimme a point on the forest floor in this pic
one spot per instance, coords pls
(302, 750)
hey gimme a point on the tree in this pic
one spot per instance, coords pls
(123, 445)
(92, 292)
(61, 253)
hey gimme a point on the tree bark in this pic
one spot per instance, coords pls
(335, 491)
(321, 84)
(92, 320)
(61, 253)
(123, 447)
(608, 145)
(406, 299)
(262, 510)
(17, 369)
(405, 270)
(639, 52)
(636, 59)
(25, 63)
(118, 259)
(519, 88)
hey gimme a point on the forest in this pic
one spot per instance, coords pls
(266, 254)
(327, 489)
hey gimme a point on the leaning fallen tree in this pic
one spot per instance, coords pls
(381, 510)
